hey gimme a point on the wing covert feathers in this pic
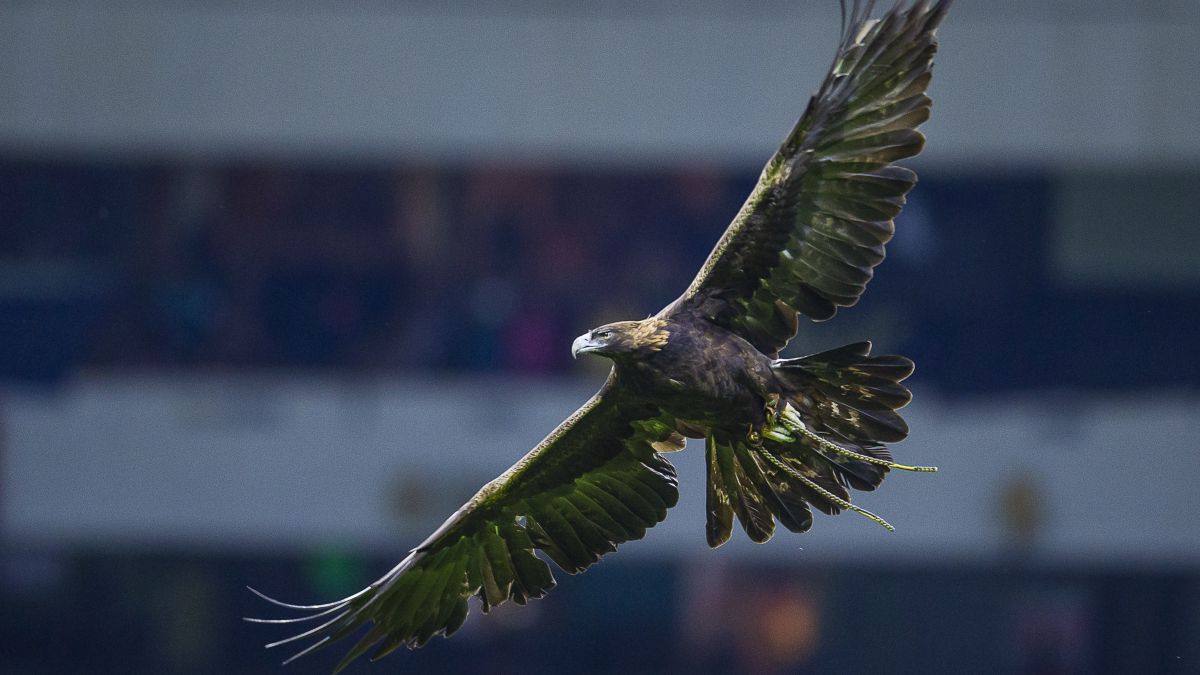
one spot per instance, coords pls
(595, 482)
(813, 229)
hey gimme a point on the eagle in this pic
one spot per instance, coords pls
(782, 437)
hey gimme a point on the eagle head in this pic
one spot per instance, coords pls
(623, 339)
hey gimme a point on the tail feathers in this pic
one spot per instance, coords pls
(733, 489)
(720, 497)
(742, 483)
(842, 405)
(785, 502)
(819, 471)
(851, 393)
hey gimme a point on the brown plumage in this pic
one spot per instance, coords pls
(782, 437)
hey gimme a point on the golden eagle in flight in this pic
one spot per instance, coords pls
(782, 436)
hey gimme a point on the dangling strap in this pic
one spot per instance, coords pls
(792, 421)
(786, 468)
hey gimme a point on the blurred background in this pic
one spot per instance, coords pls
(281, 284)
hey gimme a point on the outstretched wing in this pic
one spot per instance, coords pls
(596, 481)
(812, 231)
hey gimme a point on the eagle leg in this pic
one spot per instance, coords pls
(771, 429)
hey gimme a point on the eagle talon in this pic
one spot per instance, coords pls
(772, 408)
(753, 437)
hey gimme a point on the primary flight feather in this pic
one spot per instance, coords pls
(782, 437)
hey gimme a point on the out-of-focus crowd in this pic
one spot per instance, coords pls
(481, 269)
(401, 268)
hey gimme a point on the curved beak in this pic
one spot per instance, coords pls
(582, 345)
